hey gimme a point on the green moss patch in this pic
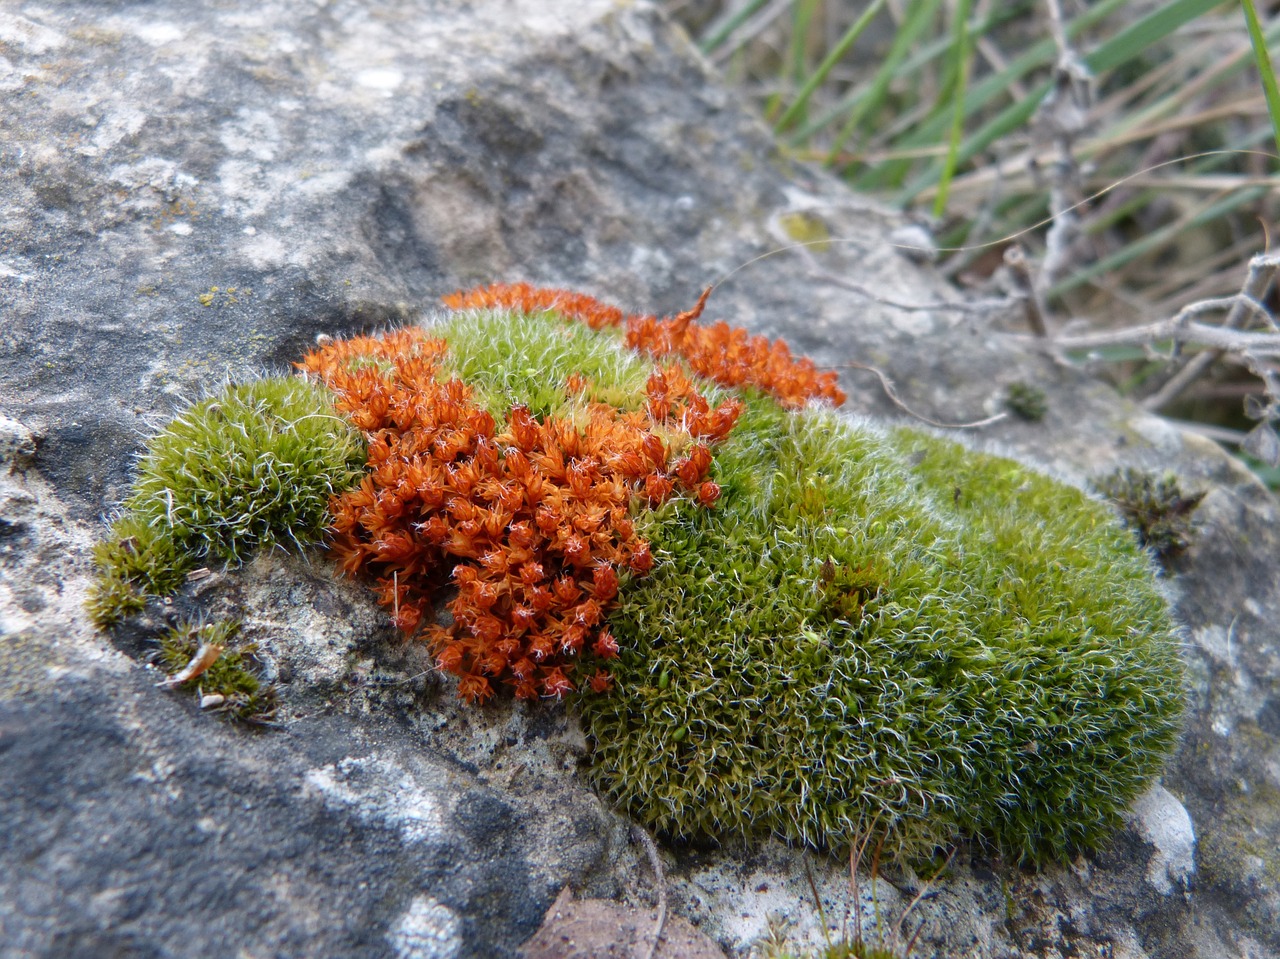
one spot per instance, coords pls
(511, 359)
(250, 468)
(888, 634)
(207, 659)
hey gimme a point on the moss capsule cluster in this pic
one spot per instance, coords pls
(510, 486)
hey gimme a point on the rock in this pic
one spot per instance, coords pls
(1163, 822)
(598, 929)
(194, 192)
(18, 444)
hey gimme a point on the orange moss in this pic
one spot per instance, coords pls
(528, 521)
(728, 355)
(537, 299)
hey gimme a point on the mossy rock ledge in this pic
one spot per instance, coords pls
(192, 193)
(860, 635)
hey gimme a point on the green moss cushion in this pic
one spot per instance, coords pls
(886, 633)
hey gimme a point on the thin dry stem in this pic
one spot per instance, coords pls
(887, 385)
(1028, 290)
(1183, 331)
(1262, 270)
(952, 306)
(638, 834)
(1061, 119)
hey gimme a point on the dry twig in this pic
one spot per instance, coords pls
(639, 835)
(887, 385)
(1184, 331)
(1258, 349)
(1028, 290)
(1262, 269)
(1061, 119)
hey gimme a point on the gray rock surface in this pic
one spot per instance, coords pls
(190, 192)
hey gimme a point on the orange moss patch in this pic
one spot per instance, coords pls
(728, 355)
(537, 299)
(529, 521)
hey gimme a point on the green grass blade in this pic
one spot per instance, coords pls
(919, 56)
(904, 40)
(801, 20)
(1119, 49)
(960, 71)
(1265, 70)
(837, 52)
(1135, 40)
(726, 29)
(1206, 214)
(978, 97)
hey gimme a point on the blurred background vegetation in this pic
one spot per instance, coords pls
(1160, 118)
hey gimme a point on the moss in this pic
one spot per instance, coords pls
(1026, 401)
(722, 353)
(112, 599)
(250, 468)
(1155, 508)
(1082, 697)
(871, 633)
(511, 359)
(230, 683)
(527, 520)
(135, 560)
(886, 633)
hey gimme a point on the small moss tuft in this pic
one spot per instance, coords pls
(136, 560)
(251, 468)
(1155, 508)
(205, 658)
(112, 599)
(1026, 401)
